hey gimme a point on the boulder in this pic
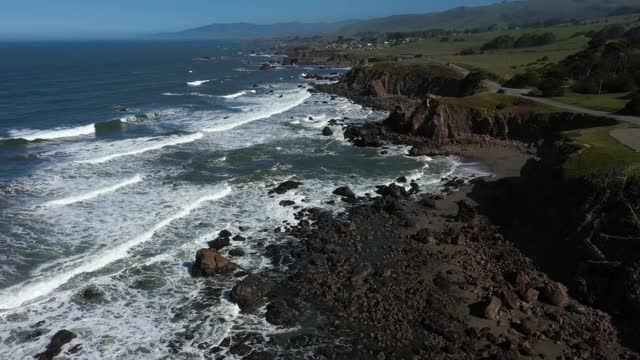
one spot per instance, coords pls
(54, 348)
(259, 355)
(401, 180)
(266, 67)
(236, 252)
(225, 234)
(285, 186)
(556, 294)
(392, 190)
(279, 313)
(327, 131)
(250, 290)
(287, 203)
(219, 243)
(511, 299)
(209, 263)
(344, 191)
(531, 296)
(491, 308)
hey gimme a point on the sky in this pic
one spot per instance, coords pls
(86, 18)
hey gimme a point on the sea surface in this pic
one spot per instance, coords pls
(119, 160)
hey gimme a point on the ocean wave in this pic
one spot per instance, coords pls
(264, 112)
(56, 133)
(198, 82)
(238, 94)
(93, 194)
(19, 294)
(175, 140)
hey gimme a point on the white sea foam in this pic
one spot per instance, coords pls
(56, 133)
(238, 94)
(93, 194)
(198, 82)
(264, 112)
(172, 141)
(17, 295)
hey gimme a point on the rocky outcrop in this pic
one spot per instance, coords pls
(309, 55)
(209, 262)
(54, 348)
(443, 122)
(251, 290)
(388, 85)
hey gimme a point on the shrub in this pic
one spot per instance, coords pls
(531, 40)
(617, 84)
(551, 87)
(500, 42)
(587, 86)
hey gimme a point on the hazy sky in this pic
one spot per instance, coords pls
(118, 17)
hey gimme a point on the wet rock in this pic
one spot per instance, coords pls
(250, 290)
(556, 294)
(266, 67)
(402, 180)
(224, 234)
(219, 243)
(54, 348)
(259, 355)
(327, 131)
(209, 263)
(237, 252)
(239, 238)
(274, 253)
(240, 349)
(393, 190)
(287, 203)
(279, 313)
(344, 191)
(285, 186)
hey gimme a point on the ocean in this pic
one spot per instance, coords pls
(119, 160)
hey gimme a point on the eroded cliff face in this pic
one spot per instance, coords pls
(443, 122)
(389, 85)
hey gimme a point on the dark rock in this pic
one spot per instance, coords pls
(259, 355)
(402, 180)
(239, 238)
(510, 298)
(344, 191)
(54, 348)
(393, 190)
(236, 252)
(224, 234)
(240, 349)
(209, 263)
(250, 290)
(286, 203)
(266, 67)
(285, 186)
(531, 296)
(556, 294)
(219, 243)
(327, 131)
(279, 313)
(466, 212)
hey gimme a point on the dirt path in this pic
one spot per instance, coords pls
(495, 87)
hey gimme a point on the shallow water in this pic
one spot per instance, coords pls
(184, 148)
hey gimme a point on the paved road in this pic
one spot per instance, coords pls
(629, 137)
(494, 87)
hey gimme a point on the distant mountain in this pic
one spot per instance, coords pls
(505, 13)
(254, 31)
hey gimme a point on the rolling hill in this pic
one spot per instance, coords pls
(505, 13)
(253, 31)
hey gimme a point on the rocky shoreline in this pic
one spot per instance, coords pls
(408, 275)
(400, 274)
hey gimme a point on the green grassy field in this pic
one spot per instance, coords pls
(605, 102)
(601, 152)
(504, 63)
(500, 103)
